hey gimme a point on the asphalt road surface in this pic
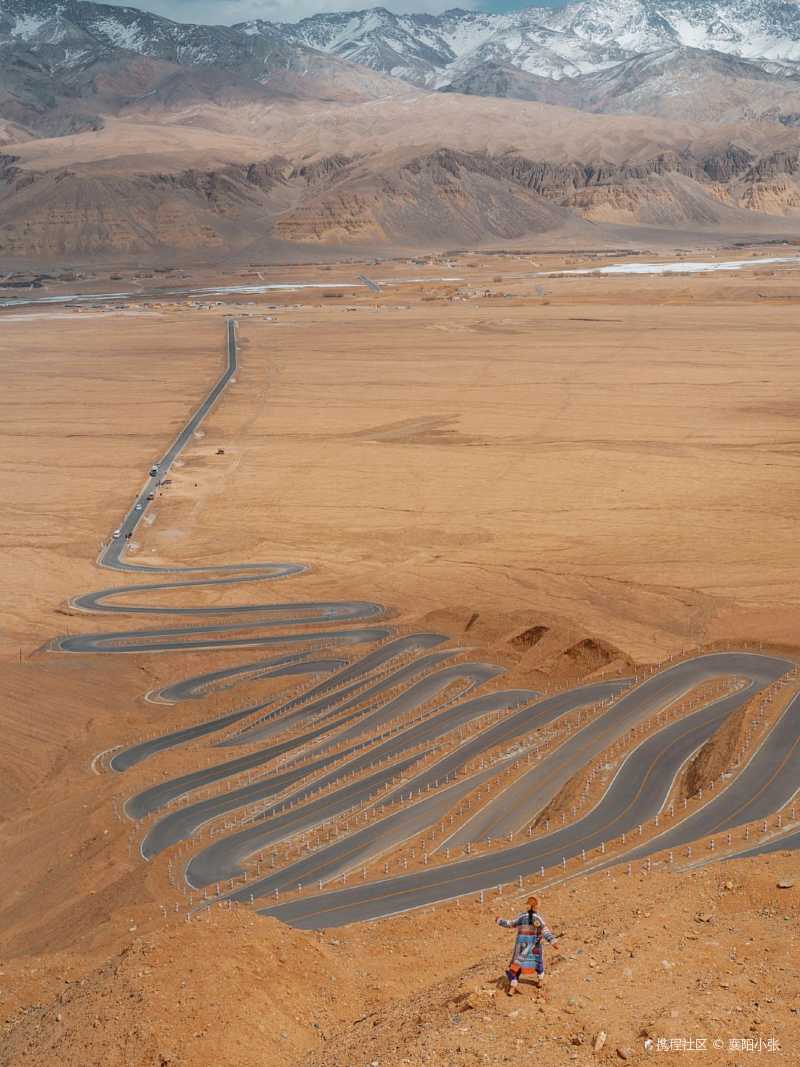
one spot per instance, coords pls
(378, 659)
(766, 784)
(356, 724)
(222, 859)
(411, 819)
(532, 793)
(338, 701)
(788, 842)
(200, 685)
(129, 757)
(123, 761)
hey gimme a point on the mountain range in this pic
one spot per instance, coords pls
(127, 132)
(554, 43)
(427, 50)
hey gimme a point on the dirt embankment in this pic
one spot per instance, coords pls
(733, 742)
(224, 991)
(708, 955)
(717, 755)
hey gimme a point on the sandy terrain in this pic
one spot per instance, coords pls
(317, 129)
(612, 459)
(86, 405)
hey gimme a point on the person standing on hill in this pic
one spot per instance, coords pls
(528, 956)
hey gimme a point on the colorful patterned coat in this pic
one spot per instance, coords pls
(531, 930)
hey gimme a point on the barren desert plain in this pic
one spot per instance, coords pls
(577, 478)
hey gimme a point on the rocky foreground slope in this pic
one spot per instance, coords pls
(648, 959)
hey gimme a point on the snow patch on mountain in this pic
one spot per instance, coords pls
(121, 35)
(27, 27)
(40, 29)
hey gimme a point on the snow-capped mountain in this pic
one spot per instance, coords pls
(749, 29)
(434, 50)
(64, 64)
(676, 82)
(581, 38)
(589, 55)
(72, 33)
(427, 50)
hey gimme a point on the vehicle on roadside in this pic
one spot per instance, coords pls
(151, 496)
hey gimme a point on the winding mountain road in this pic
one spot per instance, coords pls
(636, 794)
(401, 731)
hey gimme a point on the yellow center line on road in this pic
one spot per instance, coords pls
(346, 855)
(764, 785)
(303, 811)
(549, 778)
(398, 893)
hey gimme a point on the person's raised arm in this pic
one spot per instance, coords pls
(550, 937)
